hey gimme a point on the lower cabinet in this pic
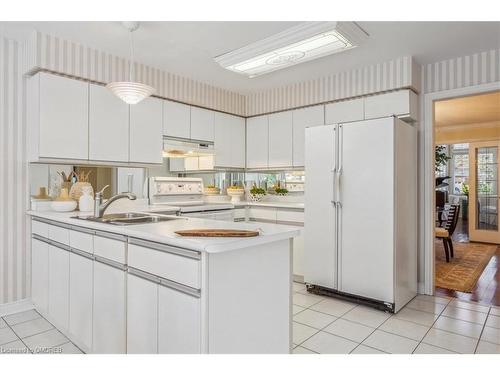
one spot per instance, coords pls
(80, 299)
(59, 286)
(40, 275)
(179, 322)
(109, 309)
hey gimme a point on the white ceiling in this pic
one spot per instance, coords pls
(188, 48)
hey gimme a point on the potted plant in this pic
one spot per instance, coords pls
(256, 193)
(235, 192)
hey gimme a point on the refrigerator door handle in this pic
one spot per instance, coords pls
(334, 186)
(338, 195)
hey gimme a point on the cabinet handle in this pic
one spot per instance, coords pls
(82, 253)
(165, 248)
(59, 245)
(40, 238)
(82, 230)
(110, 263)
(111, 236)
(180, 288)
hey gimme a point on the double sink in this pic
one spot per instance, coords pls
(129, 218)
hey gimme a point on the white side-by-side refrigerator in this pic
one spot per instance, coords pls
(361, 211)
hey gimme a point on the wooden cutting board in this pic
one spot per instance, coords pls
(217, 233)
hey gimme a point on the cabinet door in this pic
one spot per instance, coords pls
(59, 287)
(109, 323)
(223, 140)
(346, 111)
(403, 103)
(179, 329)
(142, 316)
(257, 142)
(176, 119)
(238, 154)
(146, 141)
(40, 275)
(202, 124)
(80, 299)
(280, 139)
(108, 126)
(63, 117)
(302, 118)
(298, 256)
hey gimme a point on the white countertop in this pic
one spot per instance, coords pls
(292, 205)
(163, 232)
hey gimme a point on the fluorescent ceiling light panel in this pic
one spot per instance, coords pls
(305, 42)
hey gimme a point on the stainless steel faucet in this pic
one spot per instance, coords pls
(100, 207)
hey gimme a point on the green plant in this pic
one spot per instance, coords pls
(465, 189)
(440, 156)
(257, 190)
(281, 191)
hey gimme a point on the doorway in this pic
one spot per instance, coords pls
(466, 234)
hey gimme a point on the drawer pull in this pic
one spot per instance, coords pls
(165, 248)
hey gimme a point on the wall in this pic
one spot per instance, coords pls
(65, 57)
(467, 133)
(14, 255)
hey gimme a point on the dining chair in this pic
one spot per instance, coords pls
(445, 232)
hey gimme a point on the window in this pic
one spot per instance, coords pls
(460, 173)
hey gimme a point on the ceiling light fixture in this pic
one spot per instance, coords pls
(129, 91)
(305, 42)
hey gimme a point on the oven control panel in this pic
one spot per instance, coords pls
(177, 187)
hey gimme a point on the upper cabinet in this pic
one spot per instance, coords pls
(202, 124)
(303, 118)
(229, 141)
(146, 142)
(58, 117)
(176, 119)
(258, 142)
(108, 126)
(403, 104)
(345, 111)
(280, 140)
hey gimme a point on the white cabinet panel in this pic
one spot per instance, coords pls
(40, 275)
(179, 317)
(298, 256)
(80, 299)
(302, 118)
(108, 126)
(403, 103)
(63, 117)
(81, 241)
(257, 142)
(110, 249)
(229, 140)
(142, 316)
(176, 119)
(59, 234)
(280, 139)
(146, 141)
(109, 310)
(238, 154)
(345, 111)
(289, 216)
(42, 229)
(59, 287)
(262, 213)
(202, 124)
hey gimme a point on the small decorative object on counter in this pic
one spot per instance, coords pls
(211, 190)
(42, 194)
(67, 180)
(86, 201)
(235, 192)
(82, 179)
(63, 203)
(279, 190)
(257, 193)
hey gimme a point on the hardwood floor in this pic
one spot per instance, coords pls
(487, 289)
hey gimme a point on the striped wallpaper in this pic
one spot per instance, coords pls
(390, 75)
(73, 59)
(476, 69)
(14, 257)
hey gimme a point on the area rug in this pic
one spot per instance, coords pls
(463, 270)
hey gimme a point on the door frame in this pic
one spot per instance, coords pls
(427, 195)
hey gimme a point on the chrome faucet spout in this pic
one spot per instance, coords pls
(100, 207)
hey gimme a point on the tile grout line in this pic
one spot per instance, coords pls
(20, 339)
(482, 330)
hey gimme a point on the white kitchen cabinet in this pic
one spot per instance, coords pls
(402, 103)
(302, 118)
(142, 315)
(345, 111)
(108, 126)
(298, 258)
(268, 214)
(80, 299)
(179, 317)
(258, 142)
(202, 124)
(59, 286)
(57, 116)
(40, 275)
(109, 310)
(176, 119)
(229, 141)
(280, 140)
(146, 143)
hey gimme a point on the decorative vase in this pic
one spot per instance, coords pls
(76, 190)
(86, 201)
(256, 197)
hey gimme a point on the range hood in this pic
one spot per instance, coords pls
(185, 148)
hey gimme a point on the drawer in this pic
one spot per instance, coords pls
(163, 261)
(260, 213)
(239, 213)
(287, 216)
(81, 241)
(59, 234)
(42, 229)
(110, 246)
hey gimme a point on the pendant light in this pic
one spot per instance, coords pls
(129, 91)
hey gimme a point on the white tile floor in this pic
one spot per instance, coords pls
(29, 333)
(427, 325)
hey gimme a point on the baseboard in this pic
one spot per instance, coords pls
(298, 278)
(15, 307)
(421, 288)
